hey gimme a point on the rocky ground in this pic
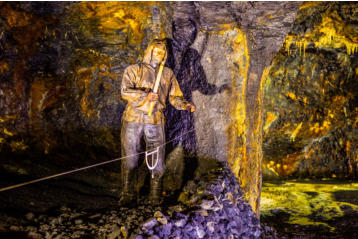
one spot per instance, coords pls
(209, 207)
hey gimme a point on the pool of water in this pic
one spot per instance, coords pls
(311, 208)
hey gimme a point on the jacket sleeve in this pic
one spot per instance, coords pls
(128, 90)
(176, 97)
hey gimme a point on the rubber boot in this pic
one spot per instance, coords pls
(128, 198)
(155, 191)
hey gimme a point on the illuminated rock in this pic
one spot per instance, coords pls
(63, 67)
(310, 96)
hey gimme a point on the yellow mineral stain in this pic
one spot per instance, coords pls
(4, 67)
(300, 44)
(295, 132)
(253, 180)
(225, 28)
(270, 118)
(84, 79)
(339, 100)
(18, 146)
(290, 162)
(333, 36)
(37, 94)
(310, 4)
(348, 147)
(115, 22)
(331, 33)
(15, 18)
(264, 19)
(237, 130)
(260, 126)
(84, 75)
(320, 129)
(287, 127)
(124, 231)
(8, 132)
(278, 72)
(237, 151)
(271, 168)
(291, 95)
(128, 17)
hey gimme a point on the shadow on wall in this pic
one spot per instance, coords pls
(186, 65)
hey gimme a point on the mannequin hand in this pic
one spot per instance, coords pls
(153, 97)
(190, 107)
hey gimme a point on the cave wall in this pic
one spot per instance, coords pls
(311, 96)
(62, 82)
(61, 67)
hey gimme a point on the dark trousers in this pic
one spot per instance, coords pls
(131, 135)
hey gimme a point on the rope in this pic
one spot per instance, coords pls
(87, 167)
(154, 165)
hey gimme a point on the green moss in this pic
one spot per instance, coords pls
(307, 203)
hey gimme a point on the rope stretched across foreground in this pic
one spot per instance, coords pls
(87, 167)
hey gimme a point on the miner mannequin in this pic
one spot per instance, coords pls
(140, 121)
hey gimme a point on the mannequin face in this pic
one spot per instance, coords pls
(158, 55)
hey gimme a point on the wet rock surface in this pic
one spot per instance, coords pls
(311, 208)
(209, 207)
(310, 99)
(61, 72)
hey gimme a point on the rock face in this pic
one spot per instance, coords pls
(263, 36)
(311, 96)
(61, 68)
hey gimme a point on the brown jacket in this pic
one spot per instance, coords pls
(137, 82)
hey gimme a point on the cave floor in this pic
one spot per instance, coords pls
(311, 208)
(294, 208)
(74, 195)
